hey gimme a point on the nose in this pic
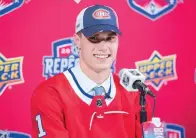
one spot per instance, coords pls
(103, 46)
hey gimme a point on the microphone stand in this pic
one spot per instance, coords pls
(143, 113)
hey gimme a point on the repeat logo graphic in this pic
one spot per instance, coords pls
(175, 131)
(158, 69)
(6, 6)
(153, 9)
(13, 134)
(10, 72)
(65, 55)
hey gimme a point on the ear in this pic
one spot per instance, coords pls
(76, 39)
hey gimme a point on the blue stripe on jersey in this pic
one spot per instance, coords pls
(80, 88)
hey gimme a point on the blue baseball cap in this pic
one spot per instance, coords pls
(97, 18)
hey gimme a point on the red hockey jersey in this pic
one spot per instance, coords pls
(58, 112)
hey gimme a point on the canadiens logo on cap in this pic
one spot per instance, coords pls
(101, 14)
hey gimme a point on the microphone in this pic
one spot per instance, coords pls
(133, 80)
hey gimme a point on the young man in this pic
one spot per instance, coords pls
(87, 101)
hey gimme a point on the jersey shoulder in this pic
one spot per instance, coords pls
(49, 88)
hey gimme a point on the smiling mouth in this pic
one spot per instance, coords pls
(102, 56)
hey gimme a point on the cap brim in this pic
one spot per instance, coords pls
(100, 28)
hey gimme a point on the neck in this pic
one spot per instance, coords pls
(97, 76)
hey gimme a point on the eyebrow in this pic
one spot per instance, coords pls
(110, 34)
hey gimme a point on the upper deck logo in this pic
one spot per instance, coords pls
(7, 6)
(153, 9)
(10, 72)
(158, 69)
(175, 131)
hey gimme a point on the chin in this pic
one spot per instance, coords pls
(102, 67)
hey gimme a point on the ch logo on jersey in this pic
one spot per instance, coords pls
(10, 72)
(64, 56)
(13, 134)
(175, 131)
(153, 9)
(7, 6)
(158, 69)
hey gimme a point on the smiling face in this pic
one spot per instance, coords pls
(97, 52)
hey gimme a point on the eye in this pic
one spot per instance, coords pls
(93, 38)
(110, 38)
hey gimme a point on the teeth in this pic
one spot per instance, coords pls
(101, 56)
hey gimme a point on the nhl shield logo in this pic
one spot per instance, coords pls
(99, 102)
(7, 6)
(152, 9)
